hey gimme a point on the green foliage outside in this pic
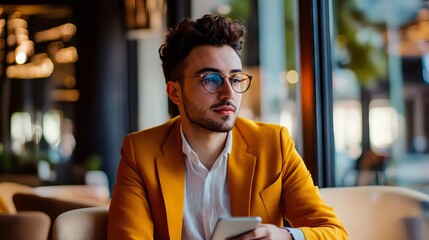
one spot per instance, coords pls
(366, 60)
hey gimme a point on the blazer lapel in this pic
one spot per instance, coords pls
(171, 170)
(241, 167)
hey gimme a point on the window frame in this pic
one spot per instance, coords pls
(316, 90)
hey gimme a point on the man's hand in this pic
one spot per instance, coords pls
(266, 231)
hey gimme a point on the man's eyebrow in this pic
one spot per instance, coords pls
(209, 69)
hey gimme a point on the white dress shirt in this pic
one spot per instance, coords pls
(206, 192)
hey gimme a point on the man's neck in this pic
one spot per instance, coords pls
(208, 145)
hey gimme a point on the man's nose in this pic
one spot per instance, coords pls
(226, 92)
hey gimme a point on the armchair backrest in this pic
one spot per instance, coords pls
(82, 224)
(29, 225)
(376, 212)
(53, 207)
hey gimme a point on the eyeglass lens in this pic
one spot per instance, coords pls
(213, 82)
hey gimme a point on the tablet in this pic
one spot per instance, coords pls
(234, 226)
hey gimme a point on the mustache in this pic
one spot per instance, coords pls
(224, 103)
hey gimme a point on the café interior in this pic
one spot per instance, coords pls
(348, 78)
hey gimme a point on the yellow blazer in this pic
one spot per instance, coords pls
(266, 178)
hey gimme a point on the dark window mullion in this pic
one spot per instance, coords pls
(316, 90)
(326, 97)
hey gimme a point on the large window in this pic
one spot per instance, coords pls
(381, 92)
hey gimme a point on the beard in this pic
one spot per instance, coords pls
(199, 117)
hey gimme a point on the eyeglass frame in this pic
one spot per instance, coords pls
(230, 78)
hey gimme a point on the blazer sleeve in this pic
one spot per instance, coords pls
(129, 212)
(302, 204)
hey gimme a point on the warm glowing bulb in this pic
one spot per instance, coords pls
(292, 77)
(21, 58)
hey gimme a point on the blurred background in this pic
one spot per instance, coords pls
(349, 78)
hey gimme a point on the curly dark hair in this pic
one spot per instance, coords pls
(208, 30)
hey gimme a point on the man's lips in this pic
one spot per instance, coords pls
(226, 109)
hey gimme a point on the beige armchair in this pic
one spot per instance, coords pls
(51, 201)
(82, 224)
(52, 207)
(24, 226)
(379, 212)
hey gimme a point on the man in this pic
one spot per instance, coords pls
(176, 180)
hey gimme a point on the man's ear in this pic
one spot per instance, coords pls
(174, 92)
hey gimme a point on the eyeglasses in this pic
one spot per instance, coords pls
(213, 82)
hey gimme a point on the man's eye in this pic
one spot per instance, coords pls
(235, 80)
(213, 79)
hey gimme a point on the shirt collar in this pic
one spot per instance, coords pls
(187, 150)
